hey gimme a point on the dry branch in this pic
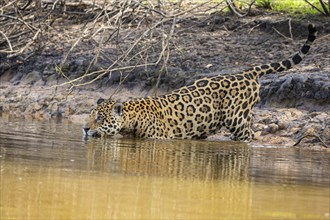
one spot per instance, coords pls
(139, 34)
(153, 27)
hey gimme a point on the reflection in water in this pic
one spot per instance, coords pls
(290, 166)
(181, 159)
(48, 171)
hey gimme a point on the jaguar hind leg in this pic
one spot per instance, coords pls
(246, 134)
(241, 131)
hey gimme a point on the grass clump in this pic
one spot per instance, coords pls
(290, 6)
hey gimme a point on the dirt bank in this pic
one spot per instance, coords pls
(294, 105)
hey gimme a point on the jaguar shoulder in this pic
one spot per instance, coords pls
(194, 111)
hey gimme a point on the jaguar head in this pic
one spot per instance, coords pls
(105, 119)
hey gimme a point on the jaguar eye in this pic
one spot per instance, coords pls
(99, 118)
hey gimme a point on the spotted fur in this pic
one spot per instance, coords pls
(194, 111)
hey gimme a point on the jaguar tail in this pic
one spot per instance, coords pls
(286, 64)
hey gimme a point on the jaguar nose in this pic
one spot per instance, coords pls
(85, 130)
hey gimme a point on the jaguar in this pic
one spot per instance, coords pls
(195, 111)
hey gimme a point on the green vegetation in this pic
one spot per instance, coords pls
(291, 6)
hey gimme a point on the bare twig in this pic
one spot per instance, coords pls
(7, 5)
(255, 27)
(290, 29)
(148, 26)
(166, 48)
(238, 12)
(9, 44)
(21, 20)
(311, 136)
(325, 6)
(71, 49)
(316, 8)
(122, 34)
(99, 74)
(281, 34)
(26, 46)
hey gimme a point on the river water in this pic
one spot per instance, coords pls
(48, 171)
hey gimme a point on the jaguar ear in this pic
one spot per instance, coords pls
(100, 100)
(118, 108)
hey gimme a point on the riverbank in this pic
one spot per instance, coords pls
(295, 105)
(273, 126)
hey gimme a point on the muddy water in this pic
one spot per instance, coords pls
(49, 171)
